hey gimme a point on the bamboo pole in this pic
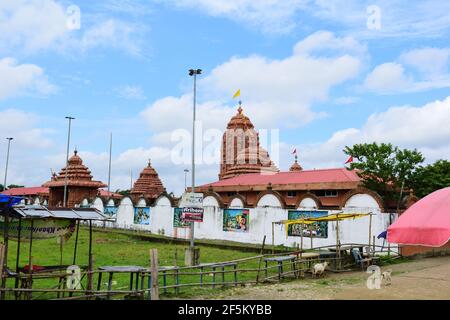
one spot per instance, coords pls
(154, 270)
(90, 262)
(2, 260)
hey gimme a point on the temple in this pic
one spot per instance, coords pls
(79, 184)
(241, 152)
(148, 185)
(247, 174)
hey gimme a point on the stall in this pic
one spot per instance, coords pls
(31, 223)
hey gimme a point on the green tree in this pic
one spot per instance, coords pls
(123, 192)
(431, 177)
(12, 186)
(384, 168)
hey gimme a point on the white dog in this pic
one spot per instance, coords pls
(386, 277)
(319, 269)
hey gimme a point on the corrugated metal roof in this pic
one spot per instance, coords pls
(41, 212)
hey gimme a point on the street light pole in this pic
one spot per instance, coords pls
(67, 161)
(193, 73)
(185, 179)
(7, 162)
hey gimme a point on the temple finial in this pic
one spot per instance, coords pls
(149, 163)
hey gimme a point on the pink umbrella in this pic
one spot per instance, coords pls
(426, 223)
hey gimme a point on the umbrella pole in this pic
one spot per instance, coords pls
(301, 239)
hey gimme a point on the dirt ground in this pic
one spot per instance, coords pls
(427, 278)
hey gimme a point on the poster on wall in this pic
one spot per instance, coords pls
(110, 211)
(318, 229)
(177, 219)
(142, 215)
(236, 220)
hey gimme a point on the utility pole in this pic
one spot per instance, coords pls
(67, 161)
(185, 179)
(7, 162)
(109, 168)
(193, 73)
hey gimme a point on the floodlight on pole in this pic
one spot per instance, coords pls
(194, 73)
(7, 162)
(67, 161)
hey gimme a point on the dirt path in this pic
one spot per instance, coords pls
(418, 279)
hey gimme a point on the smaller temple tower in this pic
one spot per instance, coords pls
(79, 184)
(148, 185)
(295, 166)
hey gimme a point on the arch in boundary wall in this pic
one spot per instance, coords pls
(270, 199)
(310, 201)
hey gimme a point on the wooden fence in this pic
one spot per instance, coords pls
(174, 280)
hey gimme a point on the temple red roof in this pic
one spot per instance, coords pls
(30, 191)
(327, 178)
(77, 175)
(148, 184)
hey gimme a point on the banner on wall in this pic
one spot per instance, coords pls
(142, 215)
(42, 229)
(111, 211)
(190, 214)
(318, 229)
(178, 219)
(236, 220)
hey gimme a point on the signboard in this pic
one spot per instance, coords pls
(236, 220)
(192, 204)
(142, 215)
(177, 219)
(194, 200)
(42, 229)
(190, 214)
(318, 229)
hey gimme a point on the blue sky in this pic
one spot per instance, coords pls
(314, 70)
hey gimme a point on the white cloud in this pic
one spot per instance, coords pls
(400, 18)
(17, 79)
(425, 128)
(31, 26)
(386, 78)
(417, 70)
(272, 16)
(131, 92)
(432, 62)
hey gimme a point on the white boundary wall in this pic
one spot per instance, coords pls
(267, 211)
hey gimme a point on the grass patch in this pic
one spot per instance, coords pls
(118, 249)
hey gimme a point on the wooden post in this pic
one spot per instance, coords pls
(30, 261)
(154, 272)
(370, 231)
(16, 284)
(2, 260)
(260, 259)
(76, 244)
(90, 262)
(5, 252)
(311, 234)
(301, 239)
(338, 249)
